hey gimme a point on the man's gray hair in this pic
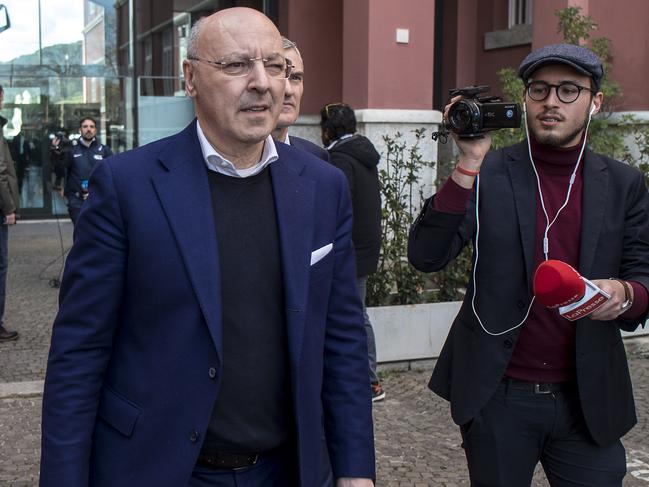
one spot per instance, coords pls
(289, 44)
(192, 43)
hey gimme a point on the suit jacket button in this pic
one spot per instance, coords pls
(520, 303)
(212, 372)
(193, 436)
(508, 344)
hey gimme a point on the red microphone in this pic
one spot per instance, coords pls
(559, 285)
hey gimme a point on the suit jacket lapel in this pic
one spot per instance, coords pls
(185, 197)
(294, 205)
(524, 189)
(595, 184)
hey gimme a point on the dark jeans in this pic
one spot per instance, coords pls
(517, 429)
(4, 265)
(74, 207)
(361, 287)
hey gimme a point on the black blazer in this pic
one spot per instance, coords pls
(308, 146)
(614, 243)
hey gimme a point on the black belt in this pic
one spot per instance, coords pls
(226, 460)
(540, 387)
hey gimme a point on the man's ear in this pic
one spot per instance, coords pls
(188, 73)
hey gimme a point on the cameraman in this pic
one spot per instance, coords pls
(525, 384)
(77, 159)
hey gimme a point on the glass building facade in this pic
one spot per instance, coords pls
(118, 61)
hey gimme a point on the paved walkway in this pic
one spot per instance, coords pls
(416, 442)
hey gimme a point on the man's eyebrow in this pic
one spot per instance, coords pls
(247, 55)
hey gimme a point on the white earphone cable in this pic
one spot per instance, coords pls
(546, 245)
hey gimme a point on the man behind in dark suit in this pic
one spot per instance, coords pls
(291, 106)
(209, 331)
(525, 384)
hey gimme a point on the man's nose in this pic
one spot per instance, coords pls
(259, 78)
(553, 98)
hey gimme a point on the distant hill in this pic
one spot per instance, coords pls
(52, 55)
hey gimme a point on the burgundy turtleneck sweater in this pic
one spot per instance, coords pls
(545, 350)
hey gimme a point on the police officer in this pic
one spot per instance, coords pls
(78, 160)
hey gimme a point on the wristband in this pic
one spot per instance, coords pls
(628, 302)
(466, 172)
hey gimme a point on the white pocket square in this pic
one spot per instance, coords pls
(318, 254)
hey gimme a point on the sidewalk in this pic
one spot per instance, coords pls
(416, 442)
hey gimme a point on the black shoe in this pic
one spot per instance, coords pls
(378, 393)
(6, 335)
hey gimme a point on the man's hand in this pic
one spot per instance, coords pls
(10, 219)
(613, 307)
(353, 482)
(472, 152)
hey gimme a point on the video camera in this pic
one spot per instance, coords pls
(64, 141)
(474, 115)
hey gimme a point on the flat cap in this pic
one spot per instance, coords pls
(581, 59)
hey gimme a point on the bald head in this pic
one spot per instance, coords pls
(228, 22)
(236, 109)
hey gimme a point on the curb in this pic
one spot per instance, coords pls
(12, 390)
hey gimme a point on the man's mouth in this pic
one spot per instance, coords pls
(550, 120)
(550, 117)
(256, 108)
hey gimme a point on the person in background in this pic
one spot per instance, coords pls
(9, 202)
(291, 106)
(78, 158)
(355, 155)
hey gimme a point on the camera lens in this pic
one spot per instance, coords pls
(460, 116)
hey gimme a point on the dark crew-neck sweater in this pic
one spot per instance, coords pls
(253, 408)
(545, 349)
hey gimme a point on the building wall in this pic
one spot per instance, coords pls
(317, 28)
(401, 75)
(625, 27)
(351, 54)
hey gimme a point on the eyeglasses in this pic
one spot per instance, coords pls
(333, 105)
(276, 66)
(567, 92)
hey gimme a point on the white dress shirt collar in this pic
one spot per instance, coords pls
(216, 162)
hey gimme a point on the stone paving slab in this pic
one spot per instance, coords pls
(417, 444)
(34, 260)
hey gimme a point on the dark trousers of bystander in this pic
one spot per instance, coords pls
(520, 427)
(4, 265)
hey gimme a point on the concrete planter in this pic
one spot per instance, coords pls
(417, 331)
(413, 331)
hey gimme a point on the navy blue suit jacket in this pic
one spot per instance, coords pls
(308, 146)
(129, 388)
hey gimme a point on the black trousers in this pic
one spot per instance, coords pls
(519, 428)
(276, 469)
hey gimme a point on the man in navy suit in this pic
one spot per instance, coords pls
(209, 330)
(291, 106)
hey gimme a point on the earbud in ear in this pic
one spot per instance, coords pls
(593, 108)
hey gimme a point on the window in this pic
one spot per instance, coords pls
(520, 12)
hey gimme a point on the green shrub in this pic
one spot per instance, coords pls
(396, 281)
